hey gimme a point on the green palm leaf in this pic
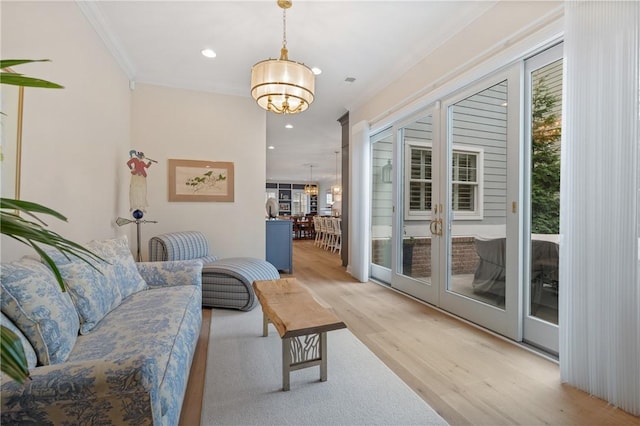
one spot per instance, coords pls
(32, 233)
(17, 79)
(14, 361)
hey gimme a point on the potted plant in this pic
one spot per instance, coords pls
(19, 220)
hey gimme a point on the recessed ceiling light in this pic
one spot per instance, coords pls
(208, 53)
(271, 147)
(316, 70)
(289, 126)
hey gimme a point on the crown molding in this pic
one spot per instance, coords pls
(96, 18)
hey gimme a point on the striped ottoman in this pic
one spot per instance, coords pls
(226, 283)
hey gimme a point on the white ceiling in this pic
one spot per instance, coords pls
(159, 42)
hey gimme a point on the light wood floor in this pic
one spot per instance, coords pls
(469, 376)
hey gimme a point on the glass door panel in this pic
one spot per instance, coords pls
(381, 205)
(543, 80)
(480, 223)
(417, 199)
(412, 253)
(545, 189)
(477, 159)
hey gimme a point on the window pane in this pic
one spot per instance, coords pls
(416, 164)
(420, 163)
(420, 179)
(464, 167)
(463, 197)
(420, 196)
(427, 163)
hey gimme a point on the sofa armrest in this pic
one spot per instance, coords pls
(171, 273)
(85, 392)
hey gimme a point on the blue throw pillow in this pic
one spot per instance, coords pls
(123, 267)
(92, 290)
(32, 299)
(29, 352)
(98, 290)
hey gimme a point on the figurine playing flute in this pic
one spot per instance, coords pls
(138, 186)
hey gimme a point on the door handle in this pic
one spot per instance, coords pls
(431, 227)
(438, 227)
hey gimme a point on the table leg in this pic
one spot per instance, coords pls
(323, 356)
(303, 352)
(286, 363)
(265, 325)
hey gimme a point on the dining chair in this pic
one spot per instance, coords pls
(311, 233)
(296, 227)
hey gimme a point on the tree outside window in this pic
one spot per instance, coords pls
(545, 161)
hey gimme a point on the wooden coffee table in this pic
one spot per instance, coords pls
(301, 322)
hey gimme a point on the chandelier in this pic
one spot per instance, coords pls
(280, 85)
(309, 188)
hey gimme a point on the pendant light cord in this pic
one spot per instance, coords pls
(284, 28)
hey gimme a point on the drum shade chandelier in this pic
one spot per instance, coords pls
(309, 188)
(280, 85)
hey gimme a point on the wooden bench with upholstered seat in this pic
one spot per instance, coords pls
(301, 322)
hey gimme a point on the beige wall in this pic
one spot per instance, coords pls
(505, 24)
(183, 124)
(75, 140)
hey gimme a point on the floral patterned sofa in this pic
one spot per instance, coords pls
(115, 348)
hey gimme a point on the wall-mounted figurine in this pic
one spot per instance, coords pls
(138, 185)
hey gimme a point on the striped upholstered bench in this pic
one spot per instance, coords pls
(226, 283)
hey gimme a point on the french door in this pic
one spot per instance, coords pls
(465, 202)
(449, 186)
(480, 196)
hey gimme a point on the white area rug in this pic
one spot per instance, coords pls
(244, 382)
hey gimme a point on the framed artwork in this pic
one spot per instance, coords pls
(193, 180)
(284, 207)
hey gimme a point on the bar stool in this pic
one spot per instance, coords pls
(329, 237)
(337, 234)
(317, 225)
